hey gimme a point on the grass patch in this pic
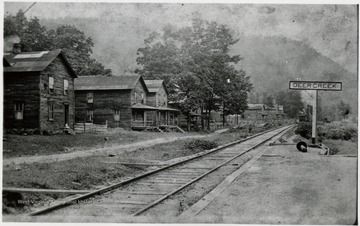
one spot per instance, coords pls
(342, 147)
(329, 131)
(78, 174)
(18, 145)
(199, 144)
(340, 137)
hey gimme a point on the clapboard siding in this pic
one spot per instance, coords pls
(60, 73)
(158, 99)
(32, 89)
(151, 99)
(138, 89)
(162, 97)
(105, 102)
(22, 88)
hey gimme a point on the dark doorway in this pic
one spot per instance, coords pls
(66, 114)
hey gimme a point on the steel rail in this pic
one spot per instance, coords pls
(203, 175)
(122, 183)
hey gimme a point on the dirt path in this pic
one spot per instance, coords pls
(119, 149)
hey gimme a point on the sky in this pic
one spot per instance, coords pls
(330, 29)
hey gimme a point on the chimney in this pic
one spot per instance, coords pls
(17, 48)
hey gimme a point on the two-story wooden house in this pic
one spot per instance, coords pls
(158, 98)
(38, 91)
(118, 101)
(256, 112)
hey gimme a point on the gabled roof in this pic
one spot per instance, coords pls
(155, 85)
(33, 61)
(108, 82)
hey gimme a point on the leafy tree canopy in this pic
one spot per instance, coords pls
(291, 100)
(196, 65)
(75, 45)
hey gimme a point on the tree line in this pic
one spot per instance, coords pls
(75, 45)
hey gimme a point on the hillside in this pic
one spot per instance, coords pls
(271, 62)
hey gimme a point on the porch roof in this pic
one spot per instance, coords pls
(195, 114)
(167, 109)
(143, 107)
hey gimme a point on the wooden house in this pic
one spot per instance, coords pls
(276, 112)
(158, 98)
(38, 91)
(182, 119)
(262, 112)
(118, 101)
(255, 112)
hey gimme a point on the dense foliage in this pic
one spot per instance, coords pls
(331, 131)
(291, 100)
(198, 144)
(304, 130)
(34, 37)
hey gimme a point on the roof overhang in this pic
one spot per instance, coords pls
(167, 109)
(143, 107)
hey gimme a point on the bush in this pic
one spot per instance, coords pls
(199, 144)
(333, 131)
(304, 130)
(338, 132)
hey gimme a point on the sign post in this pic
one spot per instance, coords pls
(314, 118)
(315, 85)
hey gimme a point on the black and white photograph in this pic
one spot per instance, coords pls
(186, 112)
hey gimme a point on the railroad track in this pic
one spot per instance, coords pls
(139, 194)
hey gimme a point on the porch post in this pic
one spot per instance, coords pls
(156, 118)
(167, 118)
(144, 118)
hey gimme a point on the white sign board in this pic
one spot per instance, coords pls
(312, 85)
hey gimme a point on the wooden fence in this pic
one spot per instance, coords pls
(90, 128)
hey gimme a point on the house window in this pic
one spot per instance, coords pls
(159, 99)
(142, 98)
(19, 110)
(51, 84)
(51, 111)
(117, 115)
(89, 115)
(66, 86)
(90, 98)
(135, 98)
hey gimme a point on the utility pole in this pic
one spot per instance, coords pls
(314, 117)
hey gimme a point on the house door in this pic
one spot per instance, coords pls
(66, 114)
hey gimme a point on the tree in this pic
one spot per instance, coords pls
(195, 62)
(344, 109)
(75, 45)
(291, 100)
(269, 101)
